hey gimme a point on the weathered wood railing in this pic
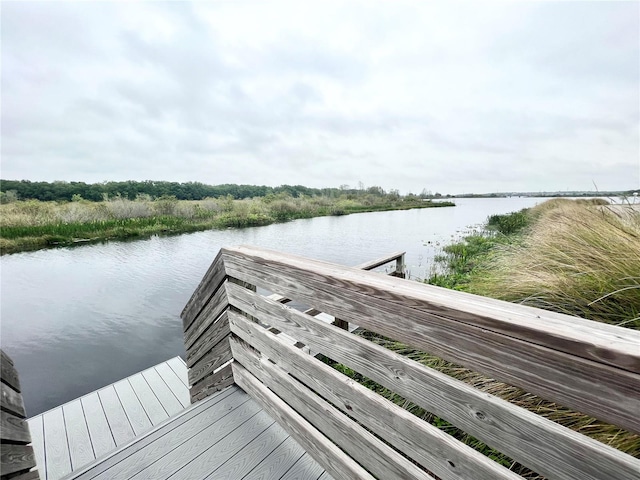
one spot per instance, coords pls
(355, 433)
(16, 456)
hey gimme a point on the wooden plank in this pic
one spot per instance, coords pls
(179, 389)
(599, 389)
(136, 415)
(179, 367)
(32, 475)
(541, 444)
(14, 458)
(148, 399)
(216, 332)
(99, 431)
(210, 362)
(278, 462)
(132, 458)
(118, 422)
(213, 383)
(212, 279)
(8, 372)
(56, 448)
(162, 392)
(11, 401)
(209, 314)
(194, 458)
(306, 468)
(36, 428)
(80, 448)
(434, 449)
(378, 262)
(597, 341)
(14, 429)
(325, 452)
(248, 457)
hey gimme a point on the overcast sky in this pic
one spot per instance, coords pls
(451, 97)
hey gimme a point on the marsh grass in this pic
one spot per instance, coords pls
(33, 224)
(576, 257)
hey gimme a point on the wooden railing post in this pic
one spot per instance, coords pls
(400, 267)
(16, 456)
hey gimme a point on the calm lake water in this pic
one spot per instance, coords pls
(76, 319)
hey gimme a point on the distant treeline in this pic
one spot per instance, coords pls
(61, 191)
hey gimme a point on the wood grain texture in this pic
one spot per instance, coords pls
(212, 279)
(215, 333)
(33, 475)
(213, 360)
(212, 446)
(148, 399)
(278, 462)
(583, 338)
(174, 383)
(122, 461)
(434, 449)
(14, 429)
(11, 401)
(80, 448)
(210, 312)
(251, 454)
(164, 394)
(36, 428)
(8, 372)
(99, 432)
(543, 445)
(136, 414)
(118, 422)
(325, 452)
(599, 389)
(370, 452)
(306, 468)
(56, 447)
(15, 458)
(211, 384)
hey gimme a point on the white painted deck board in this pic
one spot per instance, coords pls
(174, 383)
(73, 435)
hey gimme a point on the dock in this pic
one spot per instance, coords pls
(257, 396)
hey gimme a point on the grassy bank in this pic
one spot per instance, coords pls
(27, 225)
(575, 257)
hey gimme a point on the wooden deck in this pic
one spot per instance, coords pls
(227, 435)
(72, 435)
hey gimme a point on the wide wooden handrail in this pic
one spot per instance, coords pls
(353, 432)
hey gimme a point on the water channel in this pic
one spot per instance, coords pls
(76, 319)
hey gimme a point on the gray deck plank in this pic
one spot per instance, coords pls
(162, 391)
(148, 399)
(57, 457)
(80, 447)
(250, 455)
(99, 431)
(306, 468)
(325, 476)
(132, 407)
(155, 446)
(201, 463)
(176, 385)
(278, 462)
(36, 428)
(180, 369)
(116, 416)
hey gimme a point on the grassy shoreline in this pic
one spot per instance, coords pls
(577, 257)
(32, 225)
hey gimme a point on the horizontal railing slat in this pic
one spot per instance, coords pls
(598, 389)
(434, 449)
(325, 452)
(210, 312)
(381, 460)
(208, 285)
(378, 262)
(213, 360)
(540, 444)
(218, 330)
(583, 338)
(211, 384)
